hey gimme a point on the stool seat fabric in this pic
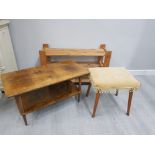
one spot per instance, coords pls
(110, 78)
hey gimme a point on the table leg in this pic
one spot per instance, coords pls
(116, 92)
(96, 103)
(88, 90)
(21, 107)
(79, 89)
(25, 120)
(129, 101)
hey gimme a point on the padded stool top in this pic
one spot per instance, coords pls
(109, 78)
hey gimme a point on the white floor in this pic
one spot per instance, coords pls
(70, 117)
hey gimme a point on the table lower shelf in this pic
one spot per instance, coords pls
(43, 97)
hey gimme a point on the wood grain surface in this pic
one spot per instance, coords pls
(74, 52)
(19, 82)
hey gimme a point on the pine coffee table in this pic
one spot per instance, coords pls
(38, 87)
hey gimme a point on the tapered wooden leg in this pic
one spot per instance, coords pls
(21, 107)
(2, 91)
(79, 97)
(129, 101)
(116, 92)
(88, 90)
(96, 103)
(79, 89)
(25, 120)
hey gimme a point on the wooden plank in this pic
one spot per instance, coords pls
(43, 58)
(84, 81)
(19, 82)
(45, 46)
(74, 52)
(44, 97)
(19, 104)
(86, 64)
(100, 58)
(103, 46)
(107, 59)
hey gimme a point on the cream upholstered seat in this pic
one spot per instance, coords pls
(112, 78)
(107, 79)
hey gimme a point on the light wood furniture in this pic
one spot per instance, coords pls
(101, 57)
(111, 79)
(38, 87)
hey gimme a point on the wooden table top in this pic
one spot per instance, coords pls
(22, 81)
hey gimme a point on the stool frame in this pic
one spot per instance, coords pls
(97, 98)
